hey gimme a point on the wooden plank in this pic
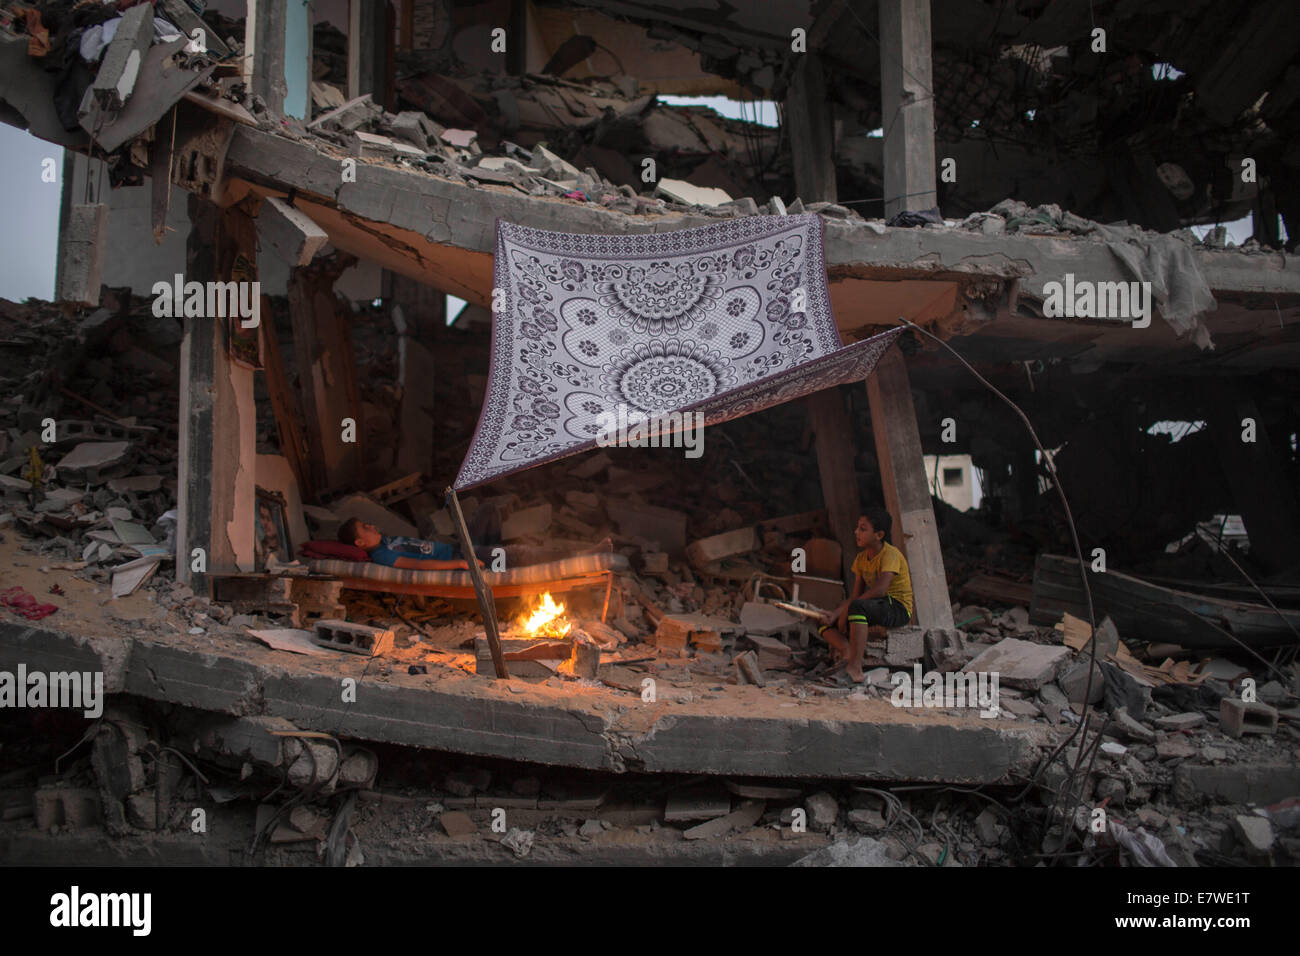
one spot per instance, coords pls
(487, 606)
(907, 493)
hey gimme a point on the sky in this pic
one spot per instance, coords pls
(29, 234)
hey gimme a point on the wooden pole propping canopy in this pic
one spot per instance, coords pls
(486, 603)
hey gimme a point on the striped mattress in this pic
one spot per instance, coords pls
(582, 565)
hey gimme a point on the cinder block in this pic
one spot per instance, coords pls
(66, 806)
(352, 638)
(1238, 717)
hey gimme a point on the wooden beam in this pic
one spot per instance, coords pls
(907, 105)
(833, 432)
(486, 603)
(907, 494)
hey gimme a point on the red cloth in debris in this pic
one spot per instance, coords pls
(337, 550)
(24, 604)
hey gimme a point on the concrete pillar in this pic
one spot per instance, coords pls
(368, 31)
(218, 418)
(812, 131)
(264, 46)
(907, 494)
(907, 105)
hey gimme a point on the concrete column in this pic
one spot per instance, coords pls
(907, 494)
(812, 131)
(907, 106)
(218, 418)
(264, 51)
(368, 49)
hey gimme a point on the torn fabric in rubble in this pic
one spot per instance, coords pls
(725, 319)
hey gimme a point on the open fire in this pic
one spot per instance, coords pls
(545, 620)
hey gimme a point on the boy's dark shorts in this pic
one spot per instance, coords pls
(883, 612)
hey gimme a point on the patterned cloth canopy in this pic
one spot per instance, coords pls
(725, 319)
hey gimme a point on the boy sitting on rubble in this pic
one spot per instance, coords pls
(882, 592)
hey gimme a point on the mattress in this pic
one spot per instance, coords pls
(582, 565)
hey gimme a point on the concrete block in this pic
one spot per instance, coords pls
(352, 638)
(289, 231)
(1021, 664)
(823, 810)
(719, 546)
(583, 662)
(82, 246)
(1237, 717)
(1180, 721)
(904, 645)
(119, 67)
(415, 128)
(62, 806)
(1255, 833)
(1074, 681)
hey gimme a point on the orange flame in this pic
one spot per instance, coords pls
(546, 620)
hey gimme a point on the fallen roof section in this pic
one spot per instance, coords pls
(743, 731)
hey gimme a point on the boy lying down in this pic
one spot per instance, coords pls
(418, 554)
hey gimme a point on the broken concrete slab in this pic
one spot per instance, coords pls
(289, 231)
(1185, 721)
(1021, 664)
(351, 115)
(763, 620)
(705, 803)
(678, 190)
(1256, 833)
(458, 714)
(92, 461)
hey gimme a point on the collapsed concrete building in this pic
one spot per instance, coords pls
(974, 166)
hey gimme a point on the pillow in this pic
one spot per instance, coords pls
(324, 550)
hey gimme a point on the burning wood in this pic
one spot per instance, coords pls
(545, 620)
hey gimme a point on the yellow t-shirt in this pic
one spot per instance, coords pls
(889, 559)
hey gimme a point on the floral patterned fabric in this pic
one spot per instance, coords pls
(725, 319)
